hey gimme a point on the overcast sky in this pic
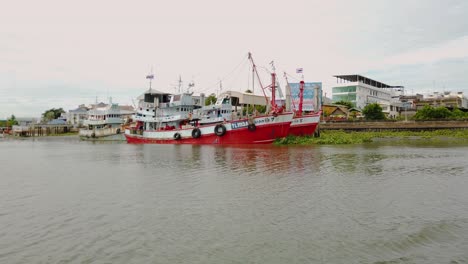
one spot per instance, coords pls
(65, 53)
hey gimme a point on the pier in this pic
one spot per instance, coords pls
(40, 130)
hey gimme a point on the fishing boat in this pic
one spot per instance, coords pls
(104, 122)
(303, 123)
(164, 118)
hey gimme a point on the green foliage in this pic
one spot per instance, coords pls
(373, 112)
(250, 109)
(338, 137)
(12, 121)
(345, 103)
(52, 114)
(211, 99)
(430, 113)
(459, 114)
(9, 122)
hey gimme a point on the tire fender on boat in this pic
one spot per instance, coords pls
(177, 136)
(196, 133)
(252, 127)
(93, 135)
(220, 130)
(118, 130)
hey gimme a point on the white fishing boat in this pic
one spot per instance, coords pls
(104, 122)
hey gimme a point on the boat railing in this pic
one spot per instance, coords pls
(146, 105)
(94, 122)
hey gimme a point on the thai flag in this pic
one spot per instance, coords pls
(299, 70)
(151, 76)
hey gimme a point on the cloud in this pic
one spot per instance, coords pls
(453, 49)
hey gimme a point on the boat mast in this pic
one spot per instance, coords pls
(273, 88)
(254, 67)
(288, 94)
(301, 97)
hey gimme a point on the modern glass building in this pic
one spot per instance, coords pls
(362, 91)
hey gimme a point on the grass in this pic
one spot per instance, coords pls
(337, 137)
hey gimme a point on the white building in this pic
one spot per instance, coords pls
(76, 116)
(362, 91)
(446, 99)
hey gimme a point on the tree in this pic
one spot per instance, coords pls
(211, 99)
(52, 114)
(345, 103)
(11, 121)
(373, 112)
(429, 112)
(249, 109)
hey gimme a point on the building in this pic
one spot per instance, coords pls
(445, 99)
(361, 91)
(333, 112)
(76, 116)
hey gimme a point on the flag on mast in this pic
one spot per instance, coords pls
(299, 70)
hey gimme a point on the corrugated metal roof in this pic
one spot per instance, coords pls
(360, 78)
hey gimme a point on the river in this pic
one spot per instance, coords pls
(67, 201)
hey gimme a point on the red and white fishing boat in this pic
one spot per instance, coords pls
(164, 118)
(304, 124)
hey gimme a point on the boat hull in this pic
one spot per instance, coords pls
(304, 125)
(267, 129)
(113, 133)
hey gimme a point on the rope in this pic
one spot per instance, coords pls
(217, 83)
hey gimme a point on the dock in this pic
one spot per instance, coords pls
(40, 130)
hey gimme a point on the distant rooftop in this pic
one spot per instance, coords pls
(363, 79)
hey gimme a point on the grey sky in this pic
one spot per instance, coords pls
(64, 53)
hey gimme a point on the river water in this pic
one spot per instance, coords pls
(66, 201)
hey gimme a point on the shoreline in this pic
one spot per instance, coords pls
(335, 137)
(342, 137)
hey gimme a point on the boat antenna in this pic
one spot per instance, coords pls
(190, 86)
(180, 83)
(150, 77)
(220, 88)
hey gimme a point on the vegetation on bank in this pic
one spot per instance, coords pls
(440, 113)
(373, 112)
(9, 122)
(335, 137)
(52, 114)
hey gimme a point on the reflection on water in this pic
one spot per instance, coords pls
(86, 202)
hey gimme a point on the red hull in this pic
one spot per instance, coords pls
(262, 135)
(304, 125)
(267, 129)
(304, 130)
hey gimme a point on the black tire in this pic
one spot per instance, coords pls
(93, 135)
(252, 127)
(220, 130)
(177, 136)
(118, 130)
(196, 133)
